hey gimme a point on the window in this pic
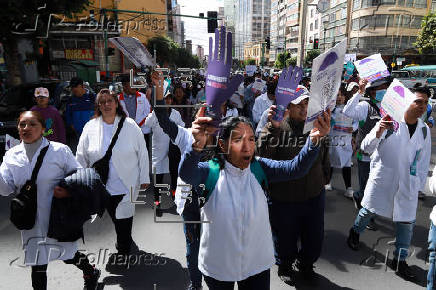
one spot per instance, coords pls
(316, 24)
(356, 4)
(332, 3)
(311, 26)
(355, 24)
(421, 3)
(416, 22)
(343, 13)
(315, 36)
(332, 17)
(401, 2)
(311, 13)
(409, 3)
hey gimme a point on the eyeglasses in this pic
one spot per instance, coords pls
(108, 101)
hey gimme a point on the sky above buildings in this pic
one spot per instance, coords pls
(196, 29)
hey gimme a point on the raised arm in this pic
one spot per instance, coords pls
(191, 170)
(284, 170)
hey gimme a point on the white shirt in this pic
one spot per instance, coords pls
(391, 190)
(129, 157)
(246, 228)
(15, 170)
(114, 185)
(358, 111)
(261, 104)
(160, 141)
(263, 121)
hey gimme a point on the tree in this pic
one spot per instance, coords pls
(311, 55)
(426, 40)
(281, 59)
(250, 61)
(291, 61)
(18, 15)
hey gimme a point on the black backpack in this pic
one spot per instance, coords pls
(24, 205)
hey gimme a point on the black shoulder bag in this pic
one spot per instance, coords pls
(24, 205)
(102, 165)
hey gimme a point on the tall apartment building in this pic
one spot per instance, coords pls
(313, 26)
(334, 24)
(389, 27)
(252, 23)
(229, 20)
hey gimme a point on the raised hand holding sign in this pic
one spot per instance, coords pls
(286, 90)
(218, 86)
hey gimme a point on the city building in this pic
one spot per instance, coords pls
(188, 45)
(252, 23)
(229, 20)
(253, 50)
(313, 27)
(389, 27)
(292, 25)
(334, 24)
(221, 17)
(200, 52)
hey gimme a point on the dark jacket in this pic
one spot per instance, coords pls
(285, 143)
(88, 197)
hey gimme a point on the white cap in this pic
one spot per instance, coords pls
(303, 96)
(351, 86)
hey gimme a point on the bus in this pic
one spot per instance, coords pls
(425, 74)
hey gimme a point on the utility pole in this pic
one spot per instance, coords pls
(303, 15)
(262, 57)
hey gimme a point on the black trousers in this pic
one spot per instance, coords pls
(123, 227)
(260, 281)
(39, 272)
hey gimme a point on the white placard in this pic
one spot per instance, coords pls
(10, 142)
(325, 82)
(350, 57)
(372, 68)
(134, 50)
(250, 69)
(396, 101)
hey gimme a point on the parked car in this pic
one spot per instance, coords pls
(405, 78)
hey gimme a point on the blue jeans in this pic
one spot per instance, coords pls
(293, 221)
(404, 232)
(432, 249)
(363, 172)
(191, 212)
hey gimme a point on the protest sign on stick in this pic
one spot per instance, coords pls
(396, 101)
(134, 50)
(372, 68)
(325, 82)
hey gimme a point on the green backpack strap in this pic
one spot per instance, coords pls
(258, 172)
(214, 173)
(212, 178)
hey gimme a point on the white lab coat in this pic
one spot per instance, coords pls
(160, 141)
(341, 149)
(129, 157)
(391, 191)
(261, 104)
(15, 170)
(143, 108)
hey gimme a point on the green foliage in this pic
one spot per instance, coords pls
(311, 55)
(281, 59)
(250, 61)
(426, 40)
(170, 53)
(291, 61)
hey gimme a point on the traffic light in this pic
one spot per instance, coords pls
(315, 43)
(212, 24)
(268, 43)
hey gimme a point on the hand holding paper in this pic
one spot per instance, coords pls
(218, 86)
(286, 90)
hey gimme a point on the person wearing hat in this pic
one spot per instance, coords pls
(298, 215)
(54, 124)
(367, 113)
(79, 110)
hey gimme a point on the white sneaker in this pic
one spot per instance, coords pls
(349, 192)
(328, 187)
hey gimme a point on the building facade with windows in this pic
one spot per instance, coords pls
(389, 27)
(313, 27)
(334, 24)
(252, 23)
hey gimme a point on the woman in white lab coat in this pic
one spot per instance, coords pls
(15, 170)
(160, 148)
(341, 149)
(128, 169)
(399, 167)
